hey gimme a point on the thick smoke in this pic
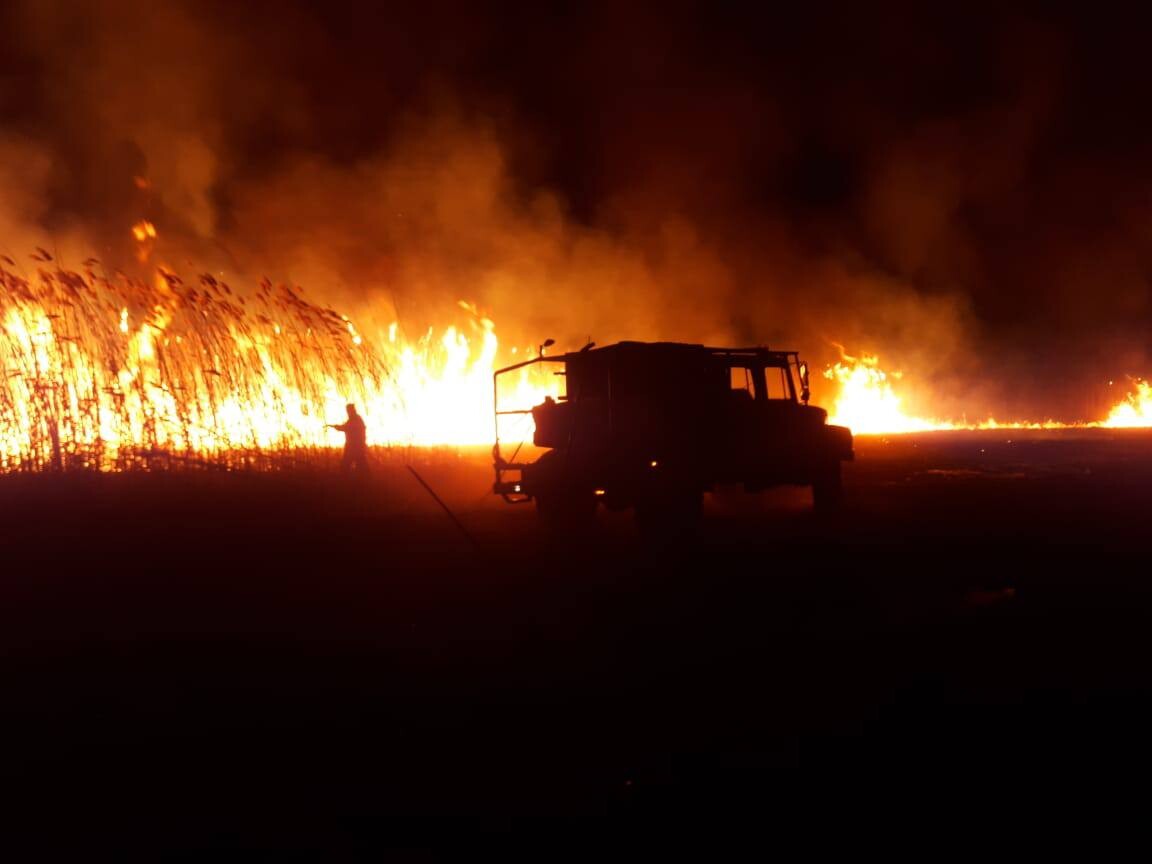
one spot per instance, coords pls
(965, 194)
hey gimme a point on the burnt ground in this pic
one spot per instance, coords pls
(291, 665)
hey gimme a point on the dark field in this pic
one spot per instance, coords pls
(195, 663)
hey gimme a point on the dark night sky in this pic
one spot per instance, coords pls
(966, 189)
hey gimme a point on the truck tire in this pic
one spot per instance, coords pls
(828, 488)
(567, 510)
(669, 514)
(565, 504)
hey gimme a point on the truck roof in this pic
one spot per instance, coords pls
(758, 353)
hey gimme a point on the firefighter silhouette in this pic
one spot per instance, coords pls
(355, 441)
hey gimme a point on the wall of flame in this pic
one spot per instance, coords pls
(106, 372)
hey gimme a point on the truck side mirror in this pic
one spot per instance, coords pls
(548, 343)
(805, 389)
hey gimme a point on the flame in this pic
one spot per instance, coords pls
(107, 373)
(1134, 411)
(868, 404)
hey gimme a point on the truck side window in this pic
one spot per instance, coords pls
(740, 382)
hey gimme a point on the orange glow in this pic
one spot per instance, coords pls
(107, 373)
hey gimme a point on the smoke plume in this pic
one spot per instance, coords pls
(966, 194)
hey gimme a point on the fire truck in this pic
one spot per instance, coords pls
(655, 425)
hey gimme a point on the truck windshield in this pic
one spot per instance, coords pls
(777, 381)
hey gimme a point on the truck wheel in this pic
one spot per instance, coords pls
(567, 511)
(828, 489)
(565, 505)
(670, 514)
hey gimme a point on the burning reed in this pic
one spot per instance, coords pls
(107, 372)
